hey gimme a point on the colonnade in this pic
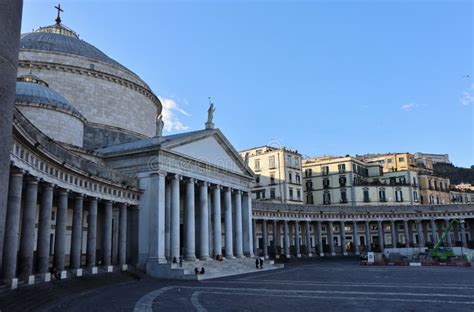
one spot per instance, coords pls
(201, 220)
(294, 238)
(36, 234)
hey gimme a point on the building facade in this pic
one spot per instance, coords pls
(434, 190)
(349, 181)
(94, 185)
(278, 174)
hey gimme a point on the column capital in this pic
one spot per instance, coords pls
(237, 191)
(48, 185)
(216, 187)
(190, 180)
(461, 221)
(176, 177)
(64, 191)
(31, 179)
(203, 183)
(17, 171)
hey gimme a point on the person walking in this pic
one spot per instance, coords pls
(261, 263)
(257, 262)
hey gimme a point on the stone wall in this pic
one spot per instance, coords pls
(57, 125)
(102, 100)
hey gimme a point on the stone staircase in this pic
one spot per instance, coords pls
(227, 267)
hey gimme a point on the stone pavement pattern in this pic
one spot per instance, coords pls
(337, 285)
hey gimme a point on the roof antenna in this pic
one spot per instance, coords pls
(58, 18)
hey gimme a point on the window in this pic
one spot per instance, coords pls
(272, 178)
(298, 178)
(309, 199)
(325, 170)
(290, 177)
(341, 168)
(437, 200)
(326, 198)
(382, 197)
(257, 179)
(271, 162)
(382, 161)
(389, 161)
(401, 159)
(342, 181)
(258, 152)
(325, 183)
(308, 173)
(398, 195)
(272, 193)
(298, 194)
(309, 185)
(414, 181)
(291, 193)
(431, 199)
(53, 215)
(343, 196)
(366, 196)
(415, 196)
(257, 164)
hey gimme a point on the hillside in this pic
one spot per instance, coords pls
(455, 174)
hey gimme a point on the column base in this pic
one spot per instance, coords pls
(190, 258)
(63, 274)
(77, 272)
(95, 270)
(266, 257)
(288, 256)
(31, 280)
(310, 255)
(298, 256)
(110, 268)
(12, 283)
(277, 256)
(229, 257)
(124, 267)
(240, 256)
(205, 258)
(344, 253)
(46, 277)
(333, 253)
(321, 254)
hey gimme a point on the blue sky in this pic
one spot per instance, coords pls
(323, 77)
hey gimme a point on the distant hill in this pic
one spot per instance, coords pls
(455, 174)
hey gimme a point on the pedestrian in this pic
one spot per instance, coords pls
(196, 270)
(180, 261)
(261, 263)
(202, 270)
(257, 262)
(174, 260)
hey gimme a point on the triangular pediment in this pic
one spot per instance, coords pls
(213, 149)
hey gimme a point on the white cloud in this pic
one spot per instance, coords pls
(408, 107)
(468, 96)
(171, 113)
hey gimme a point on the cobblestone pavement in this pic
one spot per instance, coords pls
(337, 285)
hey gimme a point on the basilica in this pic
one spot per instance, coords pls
(94, 185)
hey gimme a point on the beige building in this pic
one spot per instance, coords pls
(434, 190)
(278, 174)
(435, 158)
(353, 182)
(391, 162)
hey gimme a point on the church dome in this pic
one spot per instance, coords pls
(59, 38)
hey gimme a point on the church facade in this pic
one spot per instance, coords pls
(94, 184)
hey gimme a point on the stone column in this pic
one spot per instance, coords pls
(76, 236)
(276, 238)
(433, 231)
(368, 239)
(10, 22)
(381, 235)
(228, 223)
(265, 239)
(44, 229)
(167, 219)
(12, 225)
(342, 233)
(247, 224)
(255, 240)
(448, 235)
(355, 232)
(174, 236)
(297, 239)
(331, 238)
(308, 239)
(189, 222)
(60, 235)
(204, 228)
(216, 204)
(393, 228)
(27, 240)
(92, 233)
(421, 239)
(239, 253)
(462, 225)
(107, 243)
(319, 238)
(286, 241)
(122, 239)
(406, 233)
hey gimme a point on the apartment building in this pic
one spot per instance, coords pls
(278, 174)
(353, 182)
